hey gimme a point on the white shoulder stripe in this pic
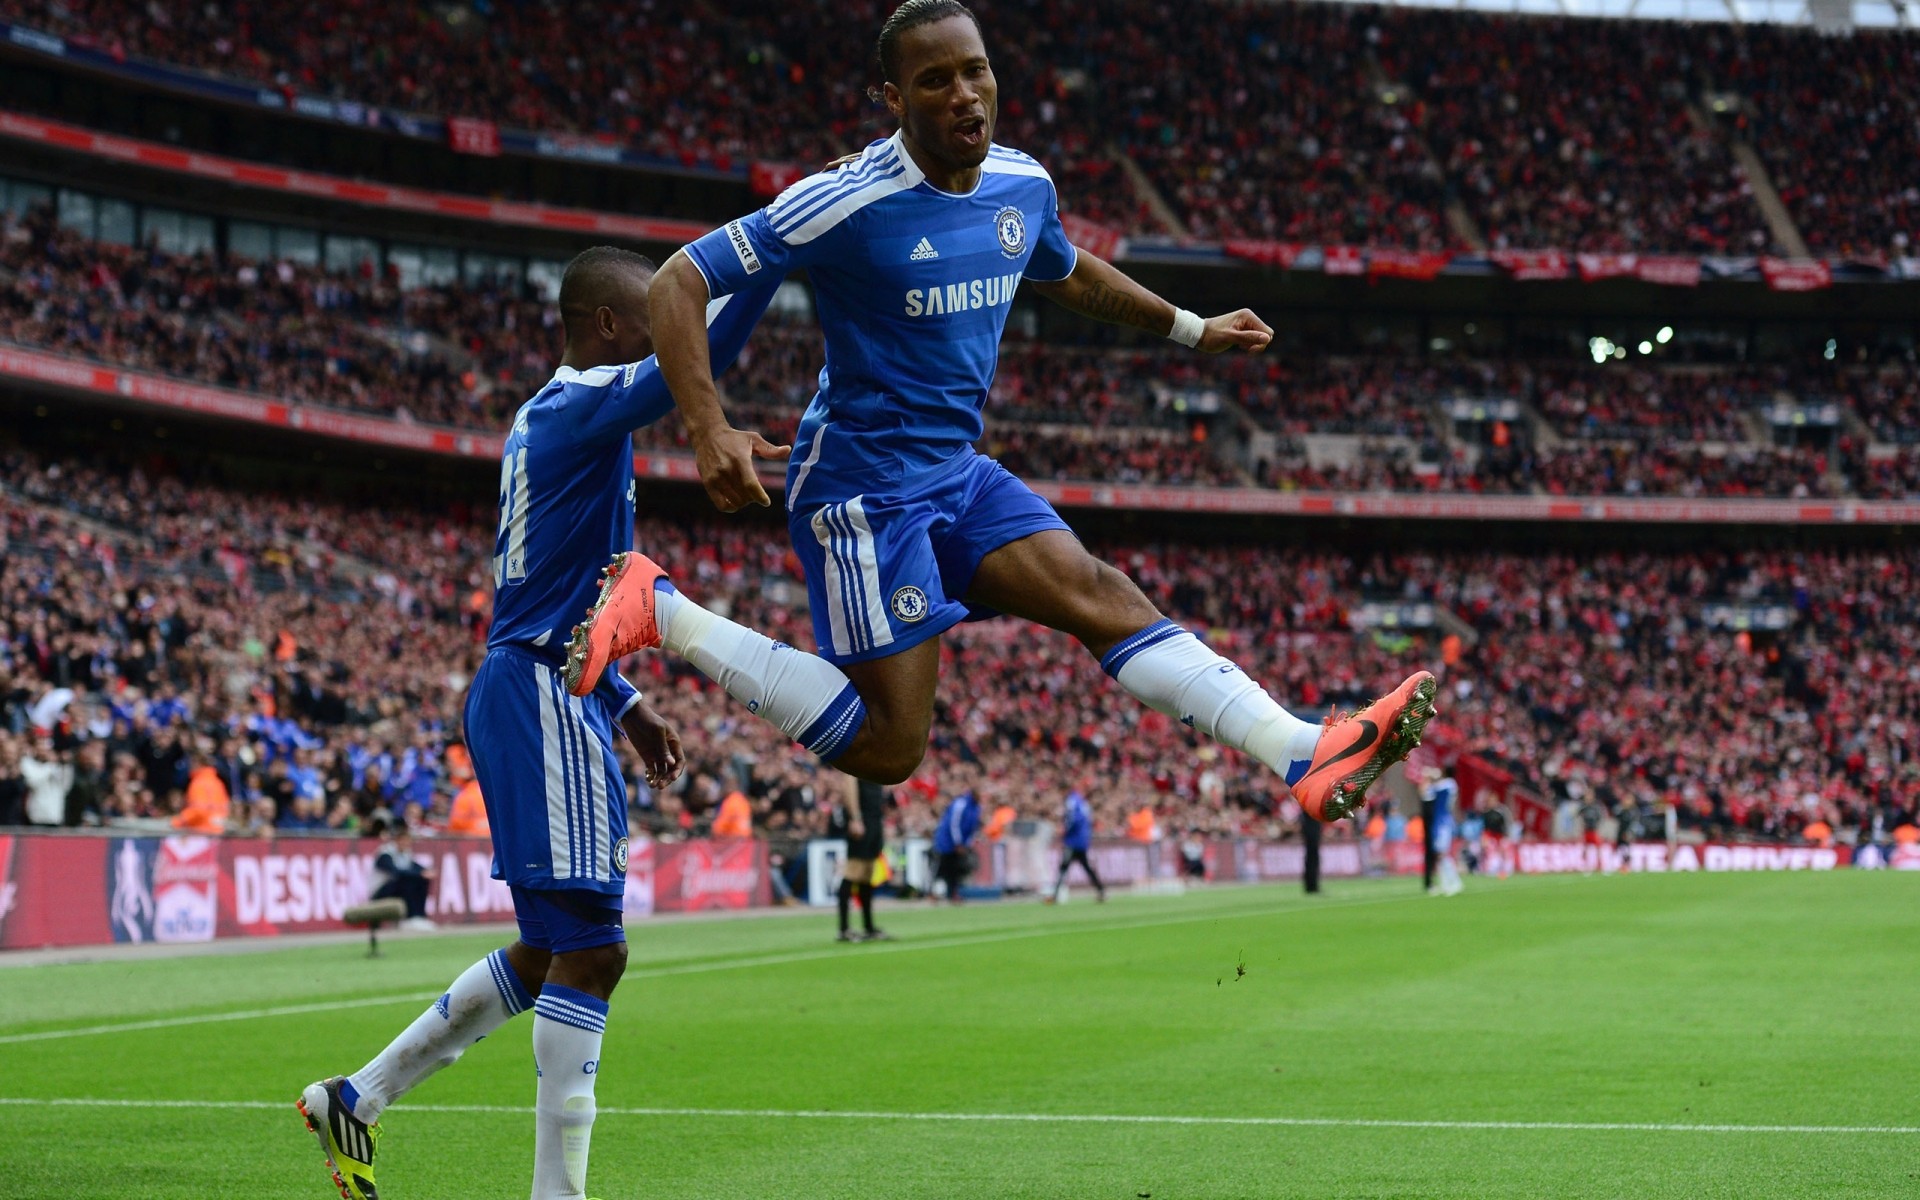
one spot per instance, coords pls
(798, 214)
(814, 187)
(852, 203)
(996, 165)
(592, 376)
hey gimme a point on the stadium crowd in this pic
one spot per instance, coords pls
(1325, 123)
(224, 656)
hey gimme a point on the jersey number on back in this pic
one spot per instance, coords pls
(510, 546)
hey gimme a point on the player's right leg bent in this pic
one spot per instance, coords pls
(1048, 577)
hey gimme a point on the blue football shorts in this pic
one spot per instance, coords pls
(555, 798)
(887, 570)
(562, 920)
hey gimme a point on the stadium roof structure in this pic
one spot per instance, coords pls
(1837, 16)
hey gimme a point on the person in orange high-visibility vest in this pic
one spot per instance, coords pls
(735, 818)
(207, 802)
(998, 822)
(469, 816)
(1140, 824)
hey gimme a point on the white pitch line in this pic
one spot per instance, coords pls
(805, 1114)
(731, 964)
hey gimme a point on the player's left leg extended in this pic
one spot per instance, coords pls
(1050, 578)
(343, 1111)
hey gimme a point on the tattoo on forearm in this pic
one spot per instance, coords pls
(1106, 303)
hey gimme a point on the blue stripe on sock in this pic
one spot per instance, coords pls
(561, 1011)
(830, 736)
(512, 991)
(349, 1094)
(574, 996)
(1129, 646)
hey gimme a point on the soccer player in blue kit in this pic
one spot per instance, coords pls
(545, 761)
(915, 250)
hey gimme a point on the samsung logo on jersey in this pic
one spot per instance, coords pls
(990, 292)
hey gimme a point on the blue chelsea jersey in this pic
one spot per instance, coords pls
(566, 483)
(914, 285)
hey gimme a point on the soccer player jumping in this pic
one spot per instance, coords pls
(915, 250)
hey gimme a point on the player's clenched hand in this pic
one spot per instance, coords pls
(725, 460)
(657, 742)
(1235, 331)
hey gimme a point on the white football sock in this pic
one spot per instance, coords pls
(806, 696)
(1172, 671)
(567, 1028)
(485, 996)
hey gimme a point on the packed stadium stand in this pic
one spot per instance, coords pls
(1354, 173)
(1317, 123)
(315, 650)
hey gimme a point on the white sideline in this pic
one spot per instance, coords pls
(804, 1114)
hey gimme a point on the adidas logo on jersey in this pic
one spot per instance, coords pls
(924, 251)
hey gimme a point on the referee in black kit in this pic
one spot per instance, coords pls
(860, 817)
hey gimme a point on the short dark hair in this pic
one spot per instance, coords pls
(912, 15)
(591, 278)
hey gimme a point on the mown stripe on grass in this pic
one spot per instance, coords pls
(730, 964)
(804, 1114)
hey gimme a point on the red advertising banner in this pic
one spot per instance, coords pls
(1265, 253)
(1669, 271)
(470, 135)
(1796, 274)
(1606, 266)
(1553, 858)
(1101, 241)
(1407, 264)
(58, 892)
(1344, 260)
(1531, 265)
(693, 876)
(77, 890)
(769, 179)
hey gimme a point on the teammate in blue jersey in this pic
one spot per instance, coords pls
(915, 250)
(545, 761)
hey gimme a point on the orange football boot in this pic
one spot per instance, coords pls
(1354, 750)
(620, 621)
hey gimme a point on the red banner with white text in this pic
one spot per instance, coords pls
(1796, 274)
(70, 890)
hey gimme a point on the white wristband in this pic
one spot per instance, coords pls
(1187, 327)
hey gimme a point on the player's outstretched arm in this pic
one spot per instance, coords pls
(1098, 289)
(677, 307)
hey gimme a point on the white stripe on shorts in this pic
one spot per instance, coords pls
(554, 758)
(595, 762)
(833, 584)
(879, 629)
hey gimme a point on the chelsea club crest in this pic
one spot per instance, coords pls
(909, 604)
(1011, 228)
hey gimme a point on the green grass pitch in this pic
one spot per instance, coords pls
(1562, 1037)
